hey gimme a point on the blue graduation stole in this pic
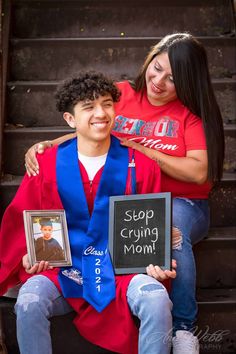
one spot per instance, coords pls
(91, 276)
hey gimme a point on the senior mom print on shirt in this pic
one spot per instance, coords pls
(141, 130)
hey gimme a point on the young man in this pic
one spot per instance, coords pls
(46, 247)
(80, 176)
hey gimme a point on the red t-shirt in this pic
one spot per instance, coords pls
(170, 128)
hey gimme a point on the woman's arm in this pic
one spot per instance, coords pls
(31, 163)
(63, 138)
(192, 168)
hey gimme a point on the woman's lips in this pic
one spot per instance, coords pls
(155, 88)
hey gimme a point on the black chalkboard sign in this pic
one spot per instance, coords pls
(140, 232)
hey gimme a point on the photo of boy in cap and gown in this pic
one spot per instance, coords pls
(47, 248)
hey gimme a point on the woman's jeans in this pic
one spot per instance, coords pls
(39, 299)
(191, 218)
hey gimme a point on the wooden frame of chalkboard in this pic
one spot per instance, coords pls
(140, 232)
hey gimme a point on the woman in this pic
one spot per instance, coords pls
(170, 114)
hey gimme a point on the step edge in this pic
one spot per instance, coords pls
(230, 127)
(43, 3)
(207, 292)
(15, 129)
(219, 302)
(215, 81)
(228, 237)
(15, 40)
(226, 233)
(11, 129)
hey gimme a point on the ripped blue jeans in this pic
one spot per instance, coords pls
(191, 218)
(39, 299)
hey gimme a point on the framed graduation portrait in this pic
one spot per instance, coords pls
(47, 237)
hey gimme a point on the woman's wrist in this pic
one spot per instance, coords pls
(158, 158)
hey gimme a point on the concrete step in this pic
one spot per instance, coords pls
(19, 138)
(23, 95)
(215, 327)
(230, 150)
(222, 202)
(55, 59)
(220, 248)
(216, 321)
(129, 18)
(8, 187)
(225, 91)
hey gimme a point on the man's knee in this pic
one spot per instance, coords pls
(155, 297)
(33, 297)
(150, 296)
(28, 302)
(152, 289)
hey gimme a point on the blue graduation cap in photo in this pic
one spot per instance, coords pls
(45, 222)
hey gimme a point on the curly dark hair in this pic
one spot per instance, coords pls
(82, 86)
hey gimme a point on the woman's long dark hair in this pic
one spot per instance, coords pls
(189, 65)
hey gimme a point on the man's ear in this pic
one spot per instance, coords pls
(69, 118)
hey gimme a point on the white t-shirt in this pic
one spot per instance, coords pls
(92, 164)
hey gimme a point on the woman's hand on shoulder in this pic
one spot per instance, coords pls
(131, 144)
(31, 163)
(36, 268)
(161, 275)
(136, 146)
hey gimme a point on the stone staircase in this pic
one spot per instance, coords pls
(49, 40)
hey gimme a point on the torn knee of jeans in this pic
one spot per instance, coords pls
(25, 300)
(151, 288)
(177, 239)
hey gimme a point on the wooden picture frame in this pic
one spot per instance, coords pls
(47, 237)
(140, 232)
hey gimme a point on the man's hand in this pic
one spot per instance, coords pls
(36, 268)
(159, 274)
